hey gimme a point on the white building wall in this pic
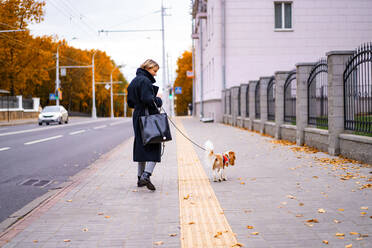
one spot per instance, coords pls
(255, 49)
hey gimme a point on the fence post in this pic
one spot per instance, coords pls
(20, 102)
(264, 81)
(223, 107)
(243, 103)
(280, 77)
(234, 106)
(229, 107)
(252, 112)
(336, 66)
(302, 74)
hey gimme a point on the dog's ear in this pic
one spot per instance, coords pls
(232, 157)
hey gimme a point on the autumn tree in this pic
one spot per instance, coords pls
(184, 64)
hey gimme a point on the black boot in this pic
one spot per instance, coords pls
(145, 180)
(138, 182)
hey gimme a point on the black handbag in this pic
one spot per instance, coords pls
(154, 128)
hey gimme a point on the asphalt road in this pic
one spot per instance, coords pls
(35, 159)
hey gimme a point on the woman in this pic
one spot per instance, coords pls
(142, 95)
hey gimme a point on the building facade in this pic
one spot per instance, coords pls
(236, 41)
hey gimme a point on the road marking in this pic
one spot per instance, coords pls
(117, 123)
(201, 215)
(42, 140)
(99, 127)
(50, 127)
(4, 149)
(77, 132)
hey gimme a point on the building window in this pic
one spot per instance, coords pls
(283, 15)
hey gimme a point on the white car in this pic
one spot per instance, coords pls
(53, 114)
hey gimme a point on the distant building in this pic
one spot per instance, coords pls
(240, 40)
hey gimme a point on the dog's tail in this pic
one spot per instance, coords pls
(208, 146)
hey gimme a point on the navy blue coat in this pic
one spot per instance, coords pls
(141, 94)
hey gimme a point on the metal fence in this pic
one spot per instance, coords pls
(247, 102)
(230, 103)
(239, 103)
(28, 103)
(257, 105)
(317, 84)
(290, 87)
(358, 91)
(8, 102)
(271, 99)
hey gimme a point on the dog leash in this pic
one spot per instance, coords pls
(182, 132)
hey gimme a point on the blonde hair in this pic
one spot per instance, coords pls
(148, 64)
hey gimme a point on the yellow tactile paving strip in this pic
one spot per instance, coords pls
(203, 223)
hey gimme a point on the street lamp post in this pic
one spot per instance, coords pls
(57, 75)
(112, 97)
(94, 112)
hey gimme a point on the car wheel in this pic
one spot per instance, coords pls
(60, 121)
(40, 123)
(47, 123)
(66, 121)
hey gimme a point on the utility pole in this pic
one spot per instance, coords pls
(57, 76)
(112, 97)
(162, 37)
(94, 111)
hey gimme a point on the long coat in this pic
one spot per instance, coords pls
(142, 94)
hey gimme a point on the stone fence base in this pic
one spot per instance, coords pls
(18, 115)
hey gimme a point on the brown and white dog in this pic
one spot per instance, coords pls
(218, 162)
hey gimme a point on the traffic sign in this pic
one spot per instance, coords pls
(107, 86)
(178, 90)
(189, 74)
(52, 96)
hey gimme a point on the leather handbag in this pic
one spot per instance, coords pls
(154, 128)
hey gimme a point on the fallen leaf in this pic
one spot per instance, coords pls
(301, 204)
(172, 234)
(340, 234)
(336, 221)
(348, 246)
(315, 177)
(354, 233)
(321, 210)
(284, 203)
(67, 240)
(255, 233)
(239, 178)
(191, 223)
(325, 242)
(309, 224)
(341, 209)
(253, 179)
(359, 238)
(364, 235)
(242, 182)
(107, 216)
(364, 208)
(134, 190)
(313, 221)
(85, 230)
(341, 237)
(250, 227)
(291, 197)
(100, 213)
(247, 211)
(35, 241)
(363, 213)
(69, 200)
(237, 245)
(299, 215)
(158, 243)
(217, 234)
(186, 197)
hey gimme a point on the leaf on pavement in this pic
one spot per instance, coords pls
(255, 233)
(35, 241)
(69, 200)
(301, 204)
(312, 221)
(364, 208)
(336, 221)
(291, 197)
(242, 182)
(100, 213)
(85, 230)
(341, 209)
(325, 242)
(348, 246)
(67, 240)
(321, 210)
(237, 245)
(107, 216)
(299, 215)
(172, 234)
(186, 197)
(340, 234)
(191, 223)
(250, 227)
(217, 234)
(363, 213)
(354, 233)
(158, 243)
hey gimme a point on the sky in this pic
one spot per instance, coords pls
(79, 21)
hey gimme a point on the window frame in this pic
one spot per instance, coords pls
(283, 28)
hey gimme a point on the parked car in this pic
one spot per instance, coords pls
(53, 114)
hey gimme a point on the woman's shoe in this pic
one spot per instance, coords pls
(138, 182)
(145, 180)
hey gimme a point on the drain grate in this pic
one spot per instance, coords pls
(36, 182)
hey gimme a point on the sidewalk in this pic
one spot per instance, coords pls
(277, 195)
